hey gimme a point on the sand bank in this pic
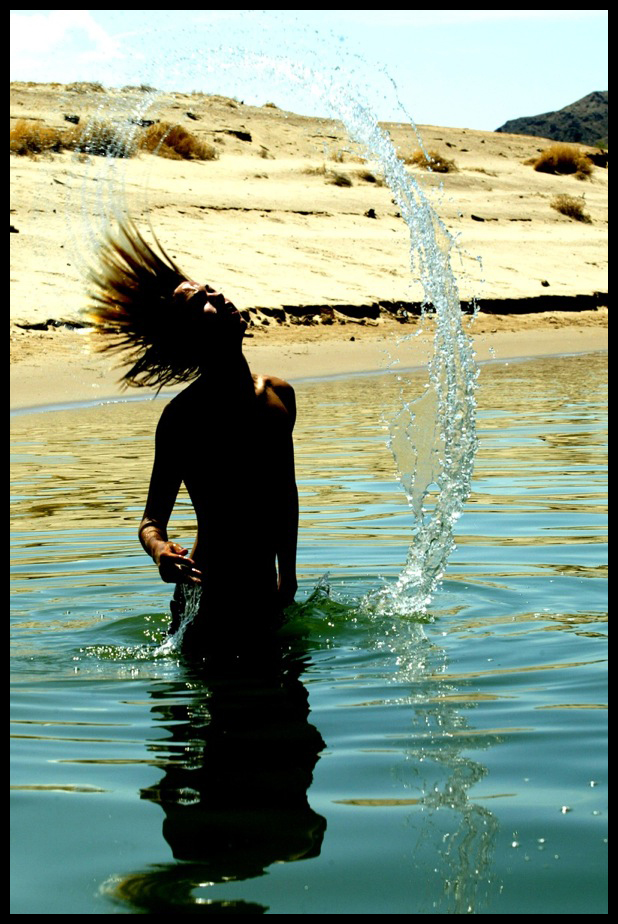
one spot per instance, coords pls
(57, 366)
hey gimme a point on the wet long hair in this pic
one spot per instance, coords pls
(134, 314)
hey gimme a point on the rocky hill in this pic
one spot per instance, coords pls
(585, 121)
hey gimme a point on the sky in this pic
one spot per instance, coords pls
(457, 68)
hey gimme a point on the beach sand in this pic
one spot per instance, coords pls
(265, 223)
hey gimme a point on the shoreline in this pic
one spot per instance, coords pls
(59, 371)
(78, 404)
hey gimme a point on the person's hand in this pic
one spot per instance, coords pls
(175, 566)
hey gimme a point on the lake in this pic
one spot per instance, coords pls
(452, 762)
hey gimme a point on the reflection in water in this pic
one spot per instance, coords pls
(454, 837)
(241, 755)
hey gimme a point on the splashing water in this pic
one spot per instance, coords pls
(190, 595)
(432, 437)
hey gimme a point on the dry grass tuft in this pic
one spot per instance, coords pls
(139, 88)
(31, 138)
(334, 178)
(571, 207)
(85, 86)
(432, 160)
(315, 171)
(98, 138)
(102, 139)
(563, 159)
(108, 139)
(175, 142)
(369, 177)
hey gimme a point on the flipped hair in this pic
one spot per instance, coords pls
(134, 313)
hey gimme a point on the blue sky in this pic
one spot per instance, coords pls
(467, 68)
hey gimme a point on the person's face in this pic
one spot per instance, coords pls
(216, 314)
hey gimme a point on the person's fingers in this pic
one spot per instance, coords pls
(177, 549)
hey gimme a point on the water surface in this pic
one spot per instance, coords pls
(449, 763)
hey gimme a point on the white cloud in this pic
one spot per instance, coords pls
(56, 38)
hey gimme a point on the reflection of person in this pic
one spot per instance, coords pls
(228, 436)
(236, 800)
(237, 752)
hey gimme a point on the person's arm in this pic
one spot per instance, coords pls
(171, 558)
(287, 526)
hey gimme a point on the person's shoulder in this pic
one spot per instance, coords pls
(277, 384)
(281, 388)
(273, 385)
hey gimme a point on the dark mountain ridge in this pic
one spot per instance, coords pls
(585, 121)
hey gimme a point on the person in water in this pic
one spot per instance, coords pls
(227, 436)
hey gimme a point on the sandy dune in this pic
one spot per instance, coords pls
(266, 223)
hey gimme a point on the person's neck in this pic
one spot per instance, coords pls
(231, 367)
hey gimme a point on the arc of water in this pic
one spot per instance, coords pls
(433, 438)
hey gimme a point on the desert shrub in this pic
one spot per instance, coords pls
(102, 139)
(432, 160)
(176, 142)
(345, 156)
(98, 138)
(572, 207)
(139, 88)
(108, 139)
(31, 138)
(333, 177)
(338, 179)
(369, 177)
(315, 171)
(86, 86)
(564, 159)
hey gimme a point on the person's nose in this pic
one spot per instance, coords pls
(216, 299)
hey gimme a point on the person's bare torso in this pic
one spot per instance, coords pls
(231, 445)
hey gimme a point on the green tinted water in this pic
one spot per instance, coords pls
(367, 763)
